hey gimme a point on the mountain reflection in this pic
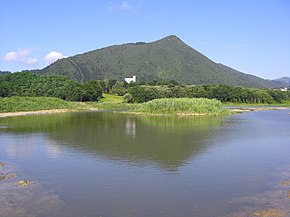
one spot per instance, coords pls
(166, 141)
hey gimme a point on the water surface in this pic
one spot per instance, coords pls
(110, 164)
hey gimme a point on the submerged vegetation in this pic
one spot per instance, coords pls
(269, 213)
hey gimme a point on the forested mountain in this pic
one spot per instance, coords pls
(4, 72)
(282, 82)
(165, 59)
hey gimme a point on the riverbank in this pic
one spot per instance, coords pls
(23, 106)
(55, 111)
(252, 109)
(40, 112)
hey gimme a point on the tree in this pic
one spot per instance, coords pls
(143, 93)
(90, 91)
(118, 88)
(278, 95)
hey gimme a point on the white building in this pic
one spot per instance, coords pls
(129, 80)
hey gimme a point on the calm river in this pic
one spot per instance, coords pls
(105, 164)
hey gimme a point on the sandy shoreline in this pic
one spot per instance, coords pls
(251, 109)
(52, 111)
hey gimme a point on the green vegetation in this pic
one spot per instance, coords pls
(28, 84)
(165, 59)
(111, 98)
(118, 88)
(285, 103)
(223, 93)
(19, 104)
(4, 72)
(16, 104)
(112, 103)
(183, 106)
(19, 92)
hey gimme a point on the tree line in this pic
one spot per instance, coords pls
(236, 94)
(221, 92)
(29, 84)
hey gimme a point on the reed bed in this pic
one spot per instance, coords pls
(183, 106)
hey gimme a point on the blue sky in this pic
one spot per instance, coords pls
(252, 36)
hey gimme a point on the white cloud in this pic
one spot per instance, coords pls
(30, 61)
(124, 6)
(53, 56)
(21, 56)
(111, 7)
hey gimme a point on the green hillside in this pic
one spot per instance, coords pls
(165, 59)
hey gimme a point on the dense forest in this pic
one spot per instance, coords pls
(166, 59)
(224, 93)
(29, 84)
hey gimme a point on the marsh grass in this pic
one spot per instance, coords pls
(183, 106)
(23, 104)
(111, 98)
(16, 104)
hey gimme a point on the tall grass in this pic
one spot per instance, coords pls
(112, 103)
(15, 104)
(111, 98)
(183, 105)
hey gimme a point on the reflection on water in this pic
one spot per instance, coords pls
(53, 151)
(131, 127)
(169, 141)
(14, 150)
(108, 164)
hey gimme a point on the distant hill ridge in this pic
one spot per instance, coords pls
(282, 82)
(165, 59)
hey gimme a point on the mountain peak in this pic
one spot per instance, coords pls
(166, 59)
(171, 38)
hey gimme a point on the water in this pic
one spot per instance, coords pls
(108, 164)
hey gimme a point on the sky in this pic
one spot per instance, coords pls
(252, 36)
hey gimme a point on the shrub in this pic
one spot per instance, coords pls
(15, 103)
(128, 97)
(118, 88)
